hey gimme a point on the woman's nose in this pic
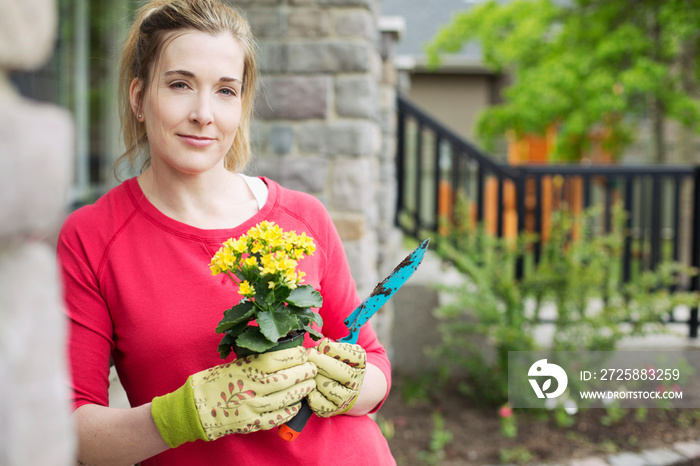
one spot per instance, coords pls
(202, 112)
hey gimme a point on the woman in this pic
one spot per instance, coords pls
(139, 291)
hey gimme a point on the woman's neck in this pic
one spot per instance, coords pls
(217, 199)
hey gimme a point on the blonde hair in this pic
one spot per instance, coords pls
(154, 24)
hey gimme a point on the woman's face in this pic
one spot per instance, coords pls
(192, 106)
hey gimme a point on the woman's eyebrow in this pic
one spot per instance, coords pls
(190, 74)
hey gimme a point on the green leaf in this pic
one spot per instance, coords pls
(276, 324)
(306, 315)
(237, 329)
(305, 296)
(225, 345)
(254, 340)
(313, 333)
(241, 312)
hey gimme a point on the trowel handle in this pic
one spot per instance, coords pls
(291, 430)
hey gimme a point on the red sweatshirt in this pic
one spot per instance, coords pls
(138, 289)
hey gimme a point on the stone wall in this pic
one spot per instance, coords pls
(325, 120)
(35, 156)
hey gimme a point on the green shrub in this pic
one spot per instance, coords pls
(496, 313)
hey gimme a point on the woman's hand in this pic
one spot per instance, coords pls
(341, 372)
(254, 393)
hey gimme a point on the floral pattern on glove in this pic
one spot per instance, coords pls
(341, 371)
(254, 393)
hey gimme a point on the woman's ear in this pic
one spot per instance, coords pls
(136, 97)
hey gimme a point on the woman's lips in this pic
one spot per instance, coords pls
(196, 141)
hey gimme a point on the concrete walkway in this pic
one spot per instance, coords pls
(681, 453)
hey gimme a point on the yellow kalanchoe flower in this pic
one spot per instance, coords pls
(268, 247)
(245, 289)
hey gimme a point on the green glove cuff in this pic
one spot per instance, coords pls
(176, 416)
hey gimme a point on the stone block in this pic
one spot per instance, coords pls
(268, 165)
(281, 139)
(382, 322)
(362, 259)
(351, 138)
(33, 371)
(27, 32)
(351, 226)
(368, 3)
(258, 136)
(267, 22)
(356, 96)
(661, 457)
(591, 461)
(34, 171)
(387, 98)
(309, 22)
(329, 57)
(386, 202)
(626, 459)
(293, 97)
(273, 57)
(389, 242)
(352, 185)
(390, 75)
(375, 65)
(387, 157)
(307, 174)
(688, 449)
(387, 122)
(356, 23)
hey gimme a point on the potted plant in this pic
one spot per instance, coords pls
(275, 311)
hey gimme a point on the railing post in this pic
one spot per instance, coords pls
(419, 181)
(519, 181)
(538, 218)
(436, 180)
(480, 194)
(629, 209)
(656, 222)
(695, 259)
(400, 159)
(499, 207)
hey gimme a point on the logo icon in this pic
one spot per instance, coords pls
(543, 369)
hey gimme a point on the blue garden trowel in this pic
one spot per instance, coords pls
(380, 295)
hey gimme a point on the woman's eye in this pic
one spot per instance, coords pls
(228, 92)
(178, 85)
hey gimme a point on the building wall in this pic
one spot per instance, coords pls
(324, 121)
(454, 99)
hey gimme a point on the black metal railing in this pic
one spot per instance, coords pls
(434, 164)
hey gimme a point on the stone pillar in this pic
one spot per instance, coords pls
(324, 123)
(389, 237)
(35, 156)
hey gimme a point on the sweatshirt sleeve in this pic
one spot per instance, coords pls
(90, 335)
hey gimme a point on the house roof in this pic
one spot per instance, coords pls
(423, 18)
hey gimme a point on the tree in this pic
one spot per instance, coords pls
(587, 66)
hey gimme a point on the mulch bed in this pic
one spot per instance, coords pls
(477, 440)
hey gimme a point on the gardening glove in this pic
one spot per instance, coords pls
(341, 370)
(257, 392)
